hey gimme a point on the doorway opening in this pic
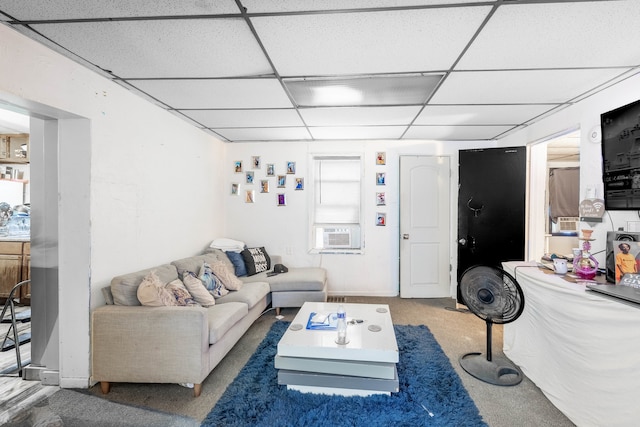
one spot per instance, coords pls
(554, 183)
(60, 244)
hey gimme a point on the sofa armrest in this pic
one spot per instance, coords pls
(149, 344)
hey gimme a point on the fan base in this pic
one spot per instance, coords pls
(498, 372)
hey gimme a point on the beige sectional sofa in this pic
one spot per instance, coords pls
(140, 344)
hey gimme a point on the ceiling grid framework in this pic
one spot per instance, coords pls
(287, 70)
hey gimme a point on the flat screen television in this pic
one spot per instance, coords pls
(621, 157)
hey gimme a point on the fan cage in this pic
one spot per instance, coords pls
(492, 294)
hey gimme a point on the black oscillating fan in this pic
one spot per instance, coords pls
(493, 295)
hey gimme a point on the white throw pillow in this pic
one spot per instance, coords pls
(226, 276)
(197, 290)
(152, 292)
(181, 294)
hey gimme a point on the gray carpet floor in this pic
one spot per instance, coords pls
(141, 405)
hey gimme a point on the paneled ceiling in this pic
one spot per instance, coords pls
(261, 70)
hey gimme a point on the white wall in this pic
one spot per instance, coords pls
(285, 230)
(155, 192)
(586, 115)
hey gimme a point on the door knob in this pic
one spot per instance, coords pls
(405, 236)
(462, 241)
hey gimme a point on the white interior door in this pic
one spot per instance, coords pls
(424, 227)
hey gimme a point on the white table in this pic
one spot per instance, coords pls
(581, 349)
(311, 360)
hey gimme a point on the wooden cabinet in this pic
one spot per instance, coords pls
(15, 259)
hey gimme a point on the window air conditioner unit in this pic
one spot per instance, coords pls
(336, 238)
(568, 224)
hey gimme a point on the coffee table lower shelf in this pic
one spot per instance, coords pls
(345, 385)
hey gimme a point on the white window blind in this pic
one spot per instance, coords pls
(337, 190)
(336, 208)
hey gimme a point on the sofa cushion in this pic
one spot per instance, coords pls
(240, 269)
(222, 317)
(219, 256)
(125, 288)
(194, 263)
(297, 279)
(250, 294)
(108, 296)
(197, 290)
(256, 260)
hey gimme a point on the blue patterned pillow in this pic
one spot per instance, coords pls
(238, 263)
(214, 286)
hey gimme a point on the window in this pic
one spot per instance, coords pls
(336, 211)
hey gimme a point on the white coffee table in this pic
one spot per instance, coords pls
(311, 361)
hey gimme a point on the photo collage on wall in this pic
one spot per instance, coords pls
(381, 180)
(257, 183)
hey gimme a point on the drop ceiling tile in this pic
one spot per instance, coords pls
(368, 42)
(480, 114)
(245, 118)
(261, 6)
(557, 35)
(359, 116)
(265, 134)
(519, 87)
(210, 94)
(623, 75)
(357, 132)
(455, 133)
(74, 9)
(165, 48)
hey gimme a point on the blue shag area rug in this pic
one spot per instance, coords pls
(431, 393)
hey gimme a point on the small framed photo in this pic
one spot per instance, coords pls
(282, 181)
(250, 196)
(381, 199)
(235, 187)
(282, 199)
(249, 176)
(299, 183)
(381, 158)
(381, 219)
(625, 254)
(271, 169)
(255, 162)
(381, 178)
(264, 186)
(237, 166)
(291, 167)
